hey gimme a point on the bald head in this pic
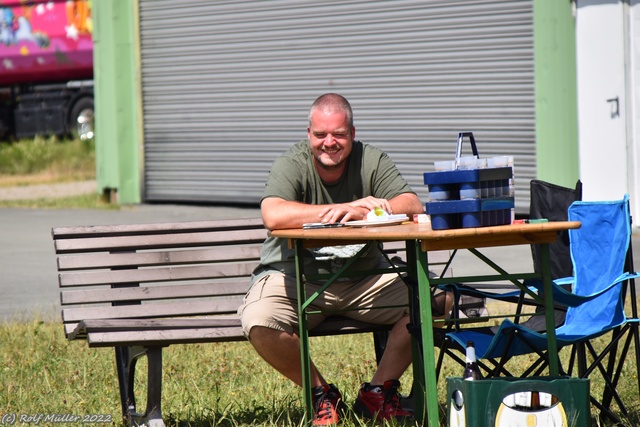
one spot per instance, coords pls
(332, 103)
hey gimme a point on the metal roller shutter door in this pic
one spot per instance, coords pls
(227, 86)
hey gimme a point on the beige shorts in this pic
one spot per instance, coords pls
(272, 301)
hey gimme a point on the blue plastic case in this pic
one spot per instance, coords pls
(470, 197)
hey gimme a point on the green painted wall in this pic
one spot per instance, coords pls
(117, 100)
(556, 95)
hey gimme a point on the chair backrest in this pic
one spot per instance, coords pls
(598, 252)
(552, 202)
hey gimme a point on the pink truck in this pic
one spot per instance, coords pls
(46, 68)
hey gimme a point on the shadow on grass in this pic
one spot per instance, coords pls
(290, 415)
(634, 416)
(263, 416)
(252, 417)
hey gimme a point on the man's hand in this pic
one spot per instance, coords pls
(342, 212)
(369, 203)
(353, 211)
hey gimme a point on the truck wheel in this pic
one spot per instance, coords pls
(81, 119)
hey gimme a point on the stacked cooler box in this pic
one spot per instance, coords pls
(466, 198)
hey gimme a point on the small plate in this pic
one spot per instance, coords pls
(365, 223)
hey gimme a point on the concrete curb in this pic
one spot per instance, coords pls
(43, 191)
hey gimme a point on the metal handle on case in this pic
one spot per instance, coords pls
(472, 140)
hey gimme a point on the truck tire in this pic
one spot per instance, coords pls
(81, 119)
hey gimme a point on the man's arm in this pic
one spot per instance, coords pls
(278, 213)
(406, 203)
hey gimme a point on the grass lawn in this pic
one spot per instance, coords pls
(46, 160)
(224, 384)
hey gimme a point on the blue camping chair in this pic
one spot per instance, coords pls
(596, 306)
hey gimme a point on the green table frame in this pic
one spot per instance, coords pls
(420, 239)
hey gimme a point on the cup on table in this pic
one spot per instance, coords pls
(445, 165)
(500, 161)
(468, 162)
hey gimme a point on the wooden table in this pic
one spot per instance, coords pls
(420, 239)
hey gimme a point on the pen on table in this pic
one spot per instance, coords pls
(530, 221)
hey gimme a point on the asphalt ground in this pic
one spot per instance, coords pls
(28, 276)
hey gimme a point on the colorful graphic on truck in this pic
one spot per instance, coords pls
(45, 41)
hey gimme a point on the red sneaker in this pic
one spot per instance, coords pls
(381, 402)
(327, 405)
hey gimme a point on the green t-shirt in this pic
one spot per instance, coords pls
(370, 172)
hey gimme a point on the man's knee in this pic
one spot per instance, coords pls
(261, 334)
(449, 297)
(267, 305)
(442, 303)
(260, 318)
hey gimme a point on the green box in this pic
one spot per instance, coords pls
(496, 402)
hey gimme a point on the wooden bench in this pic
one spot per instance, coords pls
(143, 287)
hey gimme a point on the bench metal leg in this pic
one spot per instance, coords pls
(380, 343)
(126, 359)
(153, 414)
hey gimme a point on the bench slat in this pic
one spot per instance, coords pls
(164, 337)
(184, 308)
(146, 259)
(235, 269)
(335, 325)
(110, 325)
(120, 325)
(243, 252)
(144, 293)
(139, 229)
(155, 241)
(171, 331)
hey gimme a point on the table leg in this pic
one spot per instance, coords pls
(426, 331)
(545, 259)
(303, 303)
(305, 359)
(417, 391)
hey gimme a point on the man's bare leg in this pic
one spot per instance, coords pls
(397, 354)
(282, 351)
